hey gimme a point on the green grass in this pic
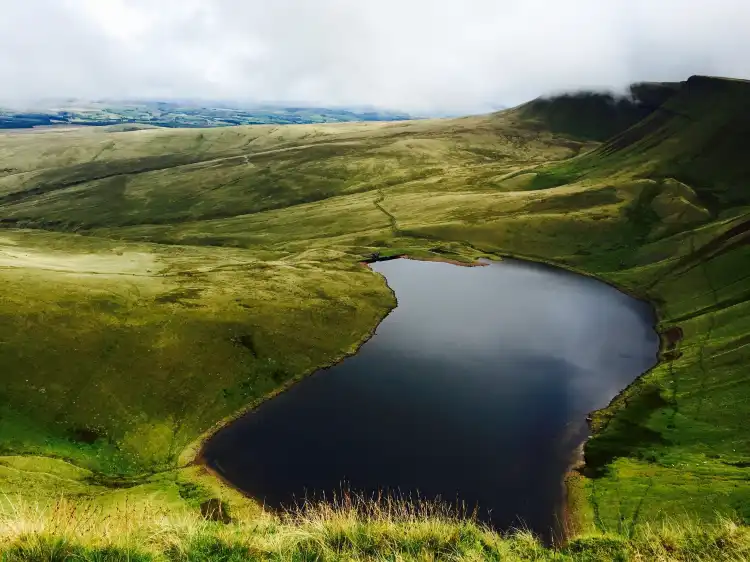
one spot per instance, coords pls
(156, 283)
(348, 530)
(205, 332)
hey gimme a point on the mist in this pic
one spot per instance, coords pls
(422, 56)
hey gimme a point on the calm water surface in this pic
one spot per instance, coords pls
(475, 388)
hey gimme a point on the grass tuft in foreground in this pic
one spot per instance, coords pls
(344, 530)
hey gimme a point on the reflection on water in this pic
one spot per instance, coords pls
(475, 388)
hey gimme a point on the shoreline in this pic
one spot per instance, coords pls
(570, 515)
(476, 263)
(192, 454)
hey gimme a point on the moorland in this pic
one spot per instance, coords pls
(156, 283)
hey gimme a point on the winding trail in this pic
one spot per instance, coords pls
(391, 218)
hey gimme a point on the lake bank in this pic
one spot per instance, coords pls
(527, 351)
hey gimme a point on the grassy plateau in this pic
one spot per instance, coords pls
(155, 283)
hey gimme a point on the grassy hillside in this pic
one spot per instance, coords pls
(85, 179)
(209, 331)
(202, 333)
(155, 282)
(695, 137)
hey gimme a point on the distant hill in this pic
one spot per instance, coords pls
(182, 114)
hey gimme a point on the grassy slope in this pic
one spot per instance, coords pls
(119, 355)
(659, 209)
(677, 441)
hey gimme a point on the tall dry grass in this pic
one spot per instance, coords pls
(348, 528)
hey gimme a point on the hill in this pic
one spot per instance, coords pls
(301, 204)
(136, 263)
(674, 441)
(599, 115)
(694, 137)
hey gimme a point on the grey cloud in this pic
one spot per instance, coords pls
(418, 55)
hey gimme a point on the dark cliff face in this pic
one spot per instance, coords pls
(693, 131)
(697, 136)
(598, 116)
(651, 95)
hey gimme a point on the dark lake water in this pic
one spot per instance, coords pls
(475, 388)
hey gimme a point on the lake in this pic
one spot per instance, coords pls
(475, 389)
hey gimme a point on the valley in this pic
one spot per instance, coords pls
(158, 283)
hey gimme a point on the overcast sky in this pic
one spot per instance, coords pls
(416, 55)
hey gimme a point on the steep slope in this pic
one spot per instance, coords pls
(676, 442)
(598, 116)
(696, 137)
